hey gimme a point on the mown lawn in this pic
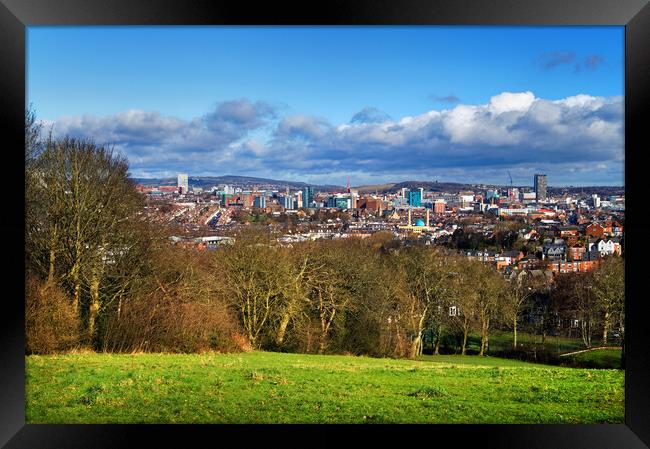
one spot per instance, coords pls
(265, 387)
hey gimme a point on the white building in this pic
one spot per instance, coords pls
(595, 201)
(606, 247)
(183, 183)
(519, 211)
(527, 196)
(465, 200)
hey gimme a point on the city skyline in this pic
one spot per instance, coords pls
(484, 104)
(252, 179)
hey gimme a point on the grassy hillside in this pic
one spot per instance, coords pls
(598, 358)
(264, 387)
(374, 188)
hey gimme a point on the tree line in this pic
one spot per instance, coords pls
(99, 275)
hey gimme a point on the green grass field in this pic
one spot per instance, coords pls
(265, 387)
(553, 347)
(501, 340)
(599, 358)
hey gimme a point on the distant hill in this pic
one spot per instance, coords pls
(238, 181)
(374, 188)
(432, 186)
(455, 187)
(600, 190)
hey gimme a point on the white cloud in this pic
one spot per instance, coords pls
(508, 101)
(511, 130)
(580, 101)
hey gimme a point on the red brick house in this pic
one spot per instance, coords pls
(567, 231)
(581, 266)
(529, 263)
(595, 230)
(576, 252)
(607, 226)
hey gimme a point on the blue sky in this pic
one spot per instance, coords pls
(319, 104)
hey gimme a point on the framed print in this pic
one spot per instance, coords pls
(359, 213)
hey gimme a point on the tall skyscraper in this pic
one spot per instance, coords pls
(183, 184)
(286, 201)
(260, 201)
(415, 198)
(307, 196)
(540, 187)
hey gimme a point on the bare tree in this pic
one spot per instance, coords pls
(300, 272)
(251, 281)
(609, 288)
(521, 287)
(464, 300)
(33, 141)
(424, 276)
(583, 302)
(81, 210)
(337, 282)
(490, 287)
(44, 202)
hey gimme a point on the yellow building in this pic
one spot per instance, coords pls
(418, 226)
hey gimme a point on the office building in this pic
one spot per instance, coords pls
(370, 203)
(491, 194)
(286, 201)
(307, 196)
(183, 183)
(540, 187)
(415, 198)
(595, 201)
(465, 199)
(339, 202)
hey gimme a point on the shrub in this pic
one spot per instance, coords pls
(172, 325)
(50, 320)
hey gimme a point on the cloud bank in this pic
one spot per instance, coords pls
(576, 140)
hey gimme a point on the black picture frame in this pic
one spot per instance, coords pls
(15, 15)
